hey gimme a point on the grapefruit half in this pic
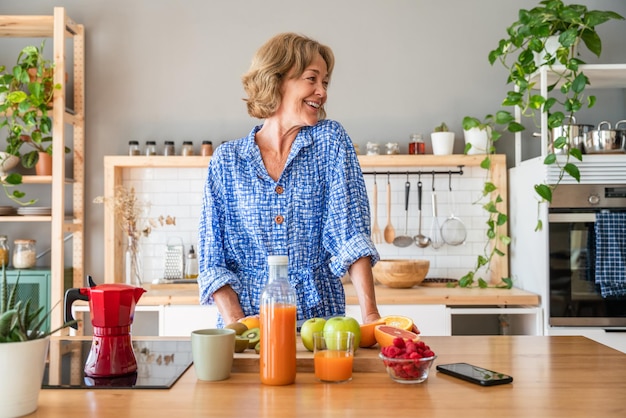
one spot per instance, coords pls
(385, 334)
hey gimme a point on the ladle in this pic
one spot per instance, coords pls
(389, 233)
(420, 239)
(405, 240)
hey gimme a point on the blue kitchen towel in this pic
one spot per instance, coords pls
(610, 229)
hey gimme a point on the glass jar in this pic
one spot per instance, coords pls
(207, 148)
(24, 256)
(373, 148)
(416, 145)
(392, 148)
(187, 149)
(133, 148)
(169, 149)
(4, 251)
(150, 148)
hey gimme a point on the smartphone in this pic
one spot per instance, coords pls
(474, 374)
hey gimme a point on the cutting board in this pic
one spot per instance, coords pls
(365, 360)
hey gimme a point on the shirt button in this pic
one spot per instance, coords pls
(279, 189)
(279, 219)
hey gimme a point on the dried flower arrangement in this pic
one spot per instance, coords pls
(131, 215)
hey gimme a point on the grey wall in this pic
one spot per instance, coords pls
(170, 69)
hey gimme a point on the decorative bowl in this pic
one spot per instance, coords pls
(408, 371)
(401, 274)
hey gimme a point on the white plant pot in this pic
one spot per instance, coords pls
(479, 138)
(442, 142)
(7, 162)
(21, 372)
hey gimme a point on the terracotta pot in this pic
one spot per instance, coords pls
(44, 164)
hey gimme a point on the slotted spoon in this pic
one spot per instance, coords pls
(389, 232)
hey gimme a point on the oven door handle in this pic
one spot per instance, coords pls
(571, 217)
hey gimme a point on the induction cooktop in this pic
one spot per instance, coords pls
(160, 363)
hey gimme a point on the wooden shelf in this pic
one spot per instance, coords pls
(60, 28)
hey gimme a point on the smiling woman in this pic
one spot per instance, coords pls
(292, 186)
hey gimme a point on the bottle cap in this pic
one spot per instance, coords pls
(277, 260)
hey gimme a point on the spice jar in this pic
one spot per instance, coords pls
(417, 146)
(150, 148)
(133, 148)
(207, 148)
(373, 148)
(169, 149)
(187, 149)
(392, 148)
(4, 251)
(24, 256)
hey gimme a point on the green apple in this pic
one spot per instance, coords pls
(342, 323)
(308, 328)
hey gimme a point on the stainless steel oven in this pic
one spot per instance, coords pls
(576, 295)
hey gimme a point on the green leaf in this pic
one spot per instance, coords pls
(560, 142)
(515, 127)
(539, 225)
(592, 42)
(580, 82)
(550, 159)
(544, 191)
(572, 170)
(482, 284)
(488, 187)
(576, 153)
(502, 219)
(485, 163)
(13, 179)
(466, 280)
(508, 283)
(591, 101)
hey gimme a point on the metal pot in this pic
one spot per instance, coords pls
(608, 140)
(574, 132)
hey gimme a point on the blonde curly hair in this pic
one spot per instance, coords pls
(283, 53)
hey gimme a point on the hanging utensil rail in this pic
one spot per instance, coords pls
(418, 173)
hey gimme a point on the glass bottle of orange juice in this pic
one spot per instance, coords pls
(278, 325)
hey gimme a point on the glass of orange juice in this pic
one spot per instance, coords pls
(333, 354)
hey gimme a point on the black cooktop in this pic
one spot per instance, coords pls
(159, 365)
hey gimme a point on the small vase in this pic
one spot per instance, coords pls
(44, 164)
(133, 262)
(479, 138)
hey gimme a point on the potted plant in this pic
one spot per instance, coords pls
(529, 45)
(23, 350)
(26, 107)
(442, 140)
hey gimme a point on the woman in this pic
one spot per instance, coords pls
(292, 186)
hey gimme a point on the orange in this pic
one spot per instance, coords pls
(368, 338)
(385, 334)
(251, 321)
(398, 321)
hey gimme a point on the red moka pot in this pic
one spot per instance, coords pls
(112, 308)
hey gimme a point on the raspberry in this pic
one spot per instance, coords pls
(399, 342)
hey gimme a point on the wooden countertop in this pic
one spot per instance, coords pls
(187, 294)
(554, 376)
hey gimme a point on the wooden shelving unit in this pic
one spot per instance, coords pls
(114, 168)
(60, 27)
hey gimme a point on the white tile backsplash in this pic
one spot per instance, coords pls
(178, 192)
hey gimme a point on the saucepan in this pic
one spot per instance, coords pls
(606, 140)
(574, 133)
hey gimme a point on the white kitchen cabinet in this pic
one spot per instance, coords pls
(613, 338)
(496, 320)
(180, 320)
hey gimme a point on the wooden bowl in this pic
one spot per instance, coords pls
(401, 274)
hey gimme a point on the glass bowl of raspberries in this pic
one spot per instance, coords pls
(407, 361)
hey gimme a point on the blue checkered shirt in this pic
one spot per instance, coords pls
(317, 213)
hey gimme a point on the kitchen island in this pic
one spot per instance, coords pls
(553, 377)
